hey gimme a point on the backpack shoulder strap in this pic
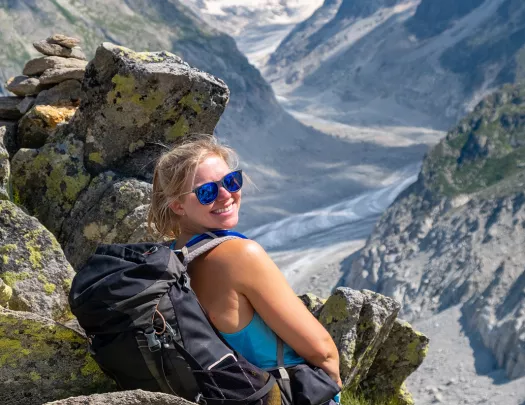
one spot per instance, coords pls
(206, 242)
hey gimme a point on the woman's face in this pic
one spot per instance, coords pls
(223, 213)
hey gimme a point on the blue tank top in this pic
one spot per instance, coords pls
(258, 344)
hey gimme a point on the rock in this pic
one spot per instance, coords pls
(375, 322)
(399, 356)
(6, 293)
(109, 211)
(5, 168)
(33, 265)
(50, 49)
(9, 136)
(68, 42)
(43, 361)
(134, 98)
(57, 75)
(40, 65)
(48, 181)
(9, 108)
(67, 93)
(125, 398)
(340, 316)
(23, 85)
(25, 105)
(313, 303)
(38, 124)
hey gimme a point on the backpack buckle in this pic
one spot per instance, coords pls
(200, 400)
(153, 341)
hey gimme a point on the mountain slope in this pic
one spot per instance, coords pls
(277, 151)
(402, 57)
(456, 236)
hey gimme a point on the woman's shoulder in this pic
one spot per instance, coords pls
(237, 249)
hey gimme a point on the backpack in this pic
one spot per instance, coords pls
(147, 330)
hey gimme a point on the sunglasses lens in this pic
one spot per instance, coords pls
(233, 181)
(207, 193)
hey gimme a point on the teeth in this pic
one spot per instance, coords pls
(223, 210)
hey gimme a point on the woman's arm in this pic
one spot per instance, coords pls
(257, 277)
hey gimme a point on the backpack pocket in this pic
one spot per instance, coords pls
(311, 385)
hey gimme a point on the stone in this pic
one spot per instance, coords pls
(9, 108)
(50, 49)
(67, 93)
(23, 85)
(49, 180)
(25, 105)
(313, 303)
(109, 211)
(376, 319)
(42, 360)
(38, 66)
(33, 264)
(136, 98)
(135, 397)
(9, 132)
(57, 75)
(399, 356)
(5, 168)
(60, 39)
(6, 293)
(340, 316)
(40, 122)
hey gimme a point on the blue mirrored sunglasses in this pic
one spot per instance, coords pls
(208, 192)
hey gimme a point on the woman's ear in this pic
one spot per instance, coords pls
(176, 207)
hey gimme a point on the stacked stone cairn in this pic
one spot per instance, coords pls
(67, 185)
(46, 94)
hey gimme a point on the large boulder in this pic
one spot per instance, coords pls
(137, 397)
(32, 265)
(109, 211)
(133, 99)
(42, 360)
(9, 131)
(49, 180)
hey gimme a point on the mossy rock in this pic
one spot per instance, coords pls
(5, 168)
(125, 398)
(48, 181)
(42, 361)
(32, 265)
(399, 356)
(133, 99)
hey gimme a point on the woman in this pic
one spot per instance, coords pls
(244, 293)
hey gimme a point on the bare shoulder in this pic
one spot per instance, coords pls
(237, 250)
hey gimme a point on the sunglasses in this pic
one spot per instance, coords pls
(208, 192)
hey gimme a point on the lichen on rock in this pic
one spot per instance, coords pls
(32, 265)
(42, 360)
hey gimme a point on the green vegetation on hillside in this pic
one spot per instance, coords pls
(487, 146)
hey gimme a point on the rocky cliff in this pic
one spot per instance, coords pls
(456, 236)
(413, 62)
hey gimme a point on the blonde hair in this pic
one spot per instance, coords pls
(172, 171)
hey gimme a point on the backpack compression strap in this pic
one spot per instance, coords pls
(205, 242)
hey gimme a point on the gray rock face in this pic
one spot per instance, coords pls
(140, 98)
(124, 398)
(58, 75)
(50, 49)
(9, 137)
(456, 236)
(9, 108)
(39, 65)
(44, 361)
(33, 264)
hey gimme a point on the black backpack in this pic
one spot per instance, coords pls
(147, 330)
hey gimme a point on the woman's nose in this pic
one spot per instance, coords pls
(223, 193)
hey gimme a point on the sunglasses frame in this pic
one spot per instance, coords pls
(219, 184)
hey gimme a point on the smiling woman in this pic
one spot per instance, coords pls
(196, 191)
